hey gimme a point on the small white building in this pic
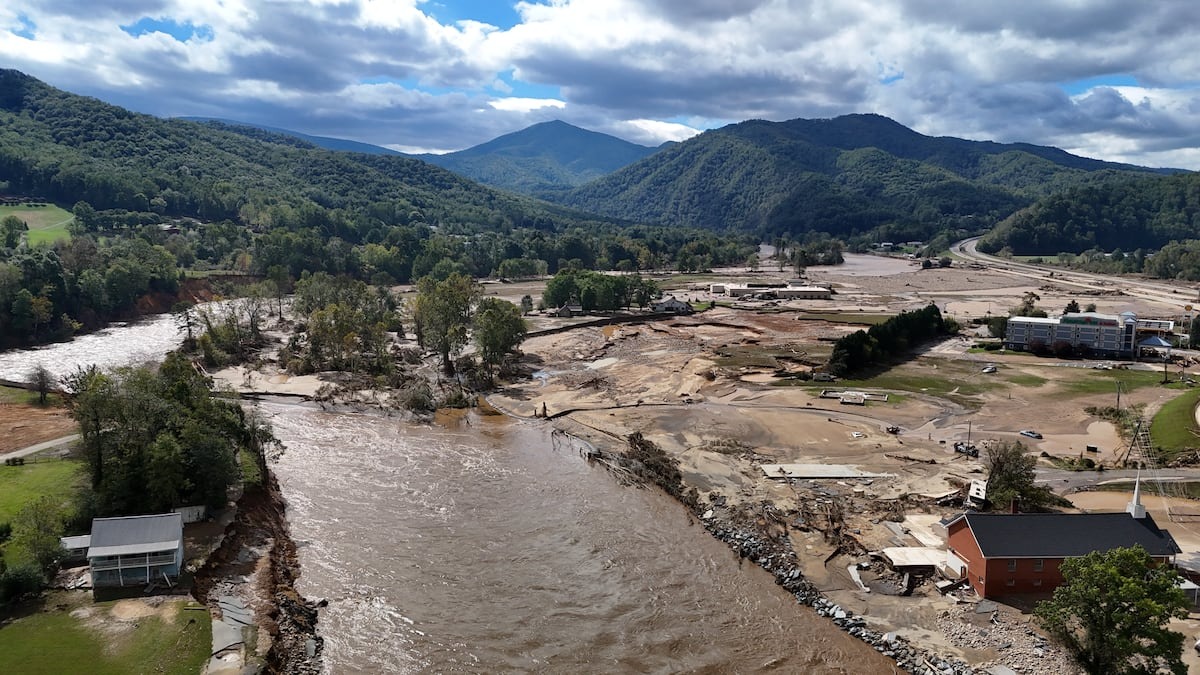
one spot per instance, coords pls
(673, 305)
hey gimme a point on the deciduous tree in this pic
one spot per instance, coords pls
(1011, 472)
(497, 329)
(442, 313)
(1111, 612)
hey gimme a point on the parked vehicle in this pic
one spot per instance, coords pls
(1030, 433)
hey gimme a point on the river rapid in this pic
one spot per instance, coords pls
(482, 545)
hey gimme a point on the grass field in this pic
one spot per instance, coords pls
(20, 485)
(1105, 381)
(1173, 428)
(58, 642)
(46, 223)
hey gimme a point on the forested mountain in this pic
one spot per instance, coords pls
(1127, 214)
(543, 158)
(154, 198)
(67, 148)
(845, 176)
(327, 142)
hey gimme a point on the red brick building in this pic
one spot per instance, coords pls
(1020, 553)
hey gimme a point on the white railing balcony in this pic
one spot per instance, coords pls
(133, 561)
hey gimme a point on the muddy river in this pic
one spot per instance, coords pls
(482, 545)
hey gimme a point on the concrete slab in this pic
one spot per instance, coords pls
(225, 635)
(818, 471)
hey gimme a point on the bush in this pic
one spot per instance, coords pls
(5, 532)
(20, 580)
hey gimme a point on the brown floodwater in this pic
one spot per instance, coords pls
(487, 547)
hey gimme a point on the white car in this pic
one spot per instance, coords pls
(1030, 433)
(989, 368)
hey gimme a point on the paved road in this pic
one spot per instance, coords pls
(24, 452)
(1062, 481)
(1176, 293)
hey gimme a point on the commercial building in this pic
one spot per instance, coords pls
(1099, 334)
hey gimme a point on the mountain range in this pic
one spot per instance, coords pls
(858, 177)
(846, 175)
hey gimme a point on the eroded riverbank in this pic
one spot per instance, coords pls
(480, 547)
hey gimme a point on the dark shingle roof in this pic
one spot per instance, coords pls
(135, 535)
(1063, 535)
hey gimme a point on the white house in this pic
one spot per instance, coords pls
(136, 550)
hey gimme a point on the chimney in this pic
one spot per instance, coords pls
(1135, 508)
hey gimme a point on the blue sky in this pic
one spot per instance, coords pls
(1102, 78)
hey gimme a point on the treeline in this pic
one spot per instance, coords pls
(50, 293)
(595, 291)
(888, 340)
(1126, 214)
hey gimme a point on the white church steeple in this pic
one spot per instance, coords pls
(1135, 508)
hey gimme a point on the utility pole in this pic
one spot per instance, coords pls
(1118, 396)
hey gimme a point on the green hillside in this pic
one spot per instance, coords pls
(845, 176)
(66, 148)
(1121, 213)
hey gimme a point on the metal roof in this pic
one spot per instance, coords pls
(1154, 341)
(1064, 535)
(76, 542)
(134, 535)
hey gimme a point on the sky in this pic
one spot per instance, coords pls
(1111, 79)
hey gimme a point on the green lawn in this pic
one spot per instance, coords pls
(20, 485)
(46, 223)
(1173, 428)
(57, 642)
(1105, 381)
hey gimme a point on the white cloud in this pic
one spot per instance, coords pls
(974, 69)
(656, 132)
(518, 104)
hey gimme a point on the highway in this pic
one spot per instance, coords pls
(1178, 294)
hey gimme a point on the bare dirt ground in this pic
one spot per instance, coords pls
(23, 425)
(713, 390)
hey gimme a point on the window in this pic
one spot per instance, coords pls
(1037, 582)
(1038, 564)
(1012, 582)
(1012, 565)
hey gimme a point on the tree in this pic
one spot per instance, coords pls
(37, 528)
(1111, 612)
(1011, 472)
(497, 329)
(41, 381)
(1072, 307)
(526, 304)
(1091, 307)
(752, 262)
(11, 229)
(442, 313)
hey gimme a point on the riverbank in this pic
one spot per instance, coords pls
(256, 563)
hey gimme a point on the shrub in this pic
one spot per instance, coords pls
(5, 532)
(20, 580)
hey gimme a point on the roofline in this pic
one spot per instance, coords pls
(146, 515)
